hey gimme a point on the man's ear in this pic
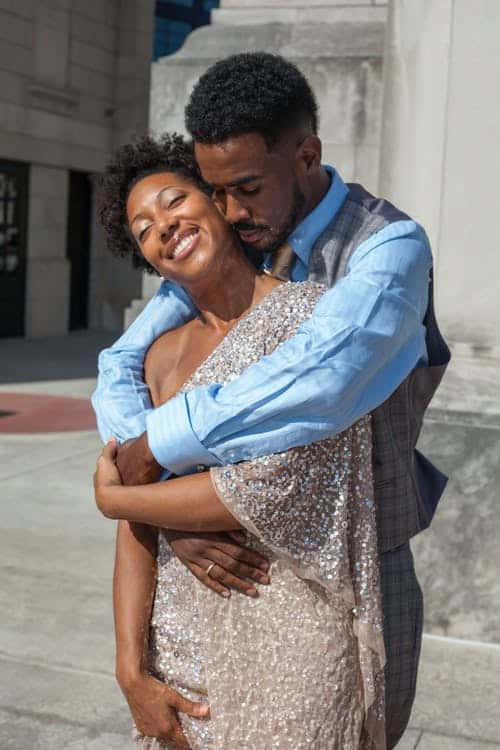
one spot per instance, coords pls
(309, 152)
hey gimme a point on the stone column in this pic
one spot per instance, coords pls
(338, 46)
(47, 283)
(134, 45)
(440, 162)
(114, 282)
(440, 158)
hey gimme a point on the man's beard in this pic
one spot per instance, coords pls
(276, 238)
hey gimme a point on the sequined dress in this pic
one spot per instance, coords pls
(301, 666)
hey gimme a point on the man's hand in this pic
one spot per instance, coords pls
(154, 707)
(106, 476)
(233, 562)
(136, 463)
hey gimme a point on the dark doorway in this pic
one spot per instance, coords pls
(78, 247)
(13, 218)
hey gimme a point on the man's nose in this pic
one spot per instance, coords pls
(235, 211)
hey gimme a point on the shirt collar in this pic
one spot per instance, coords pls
(305, 235)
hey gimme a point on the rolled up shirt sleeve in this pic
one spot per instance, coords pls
(121, 400)
(365, 336)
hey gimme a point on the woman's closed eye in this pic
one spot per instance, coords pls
(170, 200)
(142, 233)
(176, 200)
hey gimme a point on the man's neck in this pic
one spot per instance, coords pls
(319, 188)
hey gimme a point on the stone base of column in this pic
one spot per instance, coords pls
(457, 559)
(47, 298)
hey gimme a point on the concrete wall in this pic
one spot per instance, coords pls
(74, 82)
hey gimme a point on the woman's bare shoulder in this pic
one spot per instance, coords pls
(166, 347)
(164, 363)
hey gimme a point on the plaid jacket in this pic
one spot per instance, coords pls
(407, 486)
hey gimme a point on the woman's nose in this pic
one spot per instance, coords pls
(166, 227)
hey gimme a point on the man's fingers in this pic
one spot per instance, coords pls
(239, 536)
(185, 706)
(244, 555)
(217, 573)
(208, 581)
(238, 568)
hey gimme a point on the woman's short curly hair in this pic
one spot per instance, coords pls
(129, 164)
(252, 92)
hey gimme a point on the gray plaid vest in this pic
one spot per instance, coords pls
(407, 486)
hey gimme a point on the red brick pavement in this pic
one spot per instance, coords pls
(34, 413)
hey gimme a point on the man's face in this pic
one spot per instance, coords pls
(259, 191)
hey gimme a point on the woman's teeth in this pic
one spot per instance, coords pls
(182, 245)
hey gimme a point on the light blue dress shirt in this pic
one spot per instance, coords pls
(365, 336)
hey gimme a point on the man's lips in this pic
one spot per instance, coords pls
(250, 235)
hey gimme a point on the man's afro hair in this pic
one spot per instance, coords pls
(128, 165)
(250, 93)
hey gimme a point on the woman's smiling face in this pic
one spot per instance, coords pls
(176, 226)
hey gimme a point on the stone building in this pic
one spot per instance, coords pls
(74, 83)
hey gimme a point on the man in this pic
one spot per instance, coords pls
(372, 345)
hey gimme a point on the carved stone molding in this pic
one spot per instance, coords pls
(50, 99)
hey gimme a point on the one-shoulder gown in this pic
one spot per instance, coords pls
(301, 666)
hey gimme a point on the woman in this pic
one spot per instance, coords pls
(301, 665)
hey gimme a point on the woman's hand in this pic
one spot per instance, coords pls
(154, 707)
(106, 476)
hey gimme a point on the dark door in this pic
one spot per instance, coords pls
(13, 217)
(78, 247)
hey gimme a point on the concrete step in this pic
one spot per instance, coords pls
(416, 740)
(262, 13)
(458, 693)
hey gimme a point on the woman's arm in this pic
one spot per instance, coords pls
(153, 705)
(134, 583)
(184, 504)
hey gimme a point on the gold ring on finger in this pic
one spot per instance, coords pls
(212, 565)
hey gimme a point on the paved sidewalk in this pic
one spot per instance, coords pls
(56, 645)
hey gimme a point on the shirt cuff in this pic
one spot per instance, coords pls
(172, 440)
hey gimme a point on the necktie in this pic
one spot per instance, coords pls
(282, 262)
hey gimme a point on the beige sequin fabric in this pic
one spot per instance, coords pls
(301, 666)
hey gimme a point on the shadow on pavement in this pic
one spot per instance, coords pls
(53, 358)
